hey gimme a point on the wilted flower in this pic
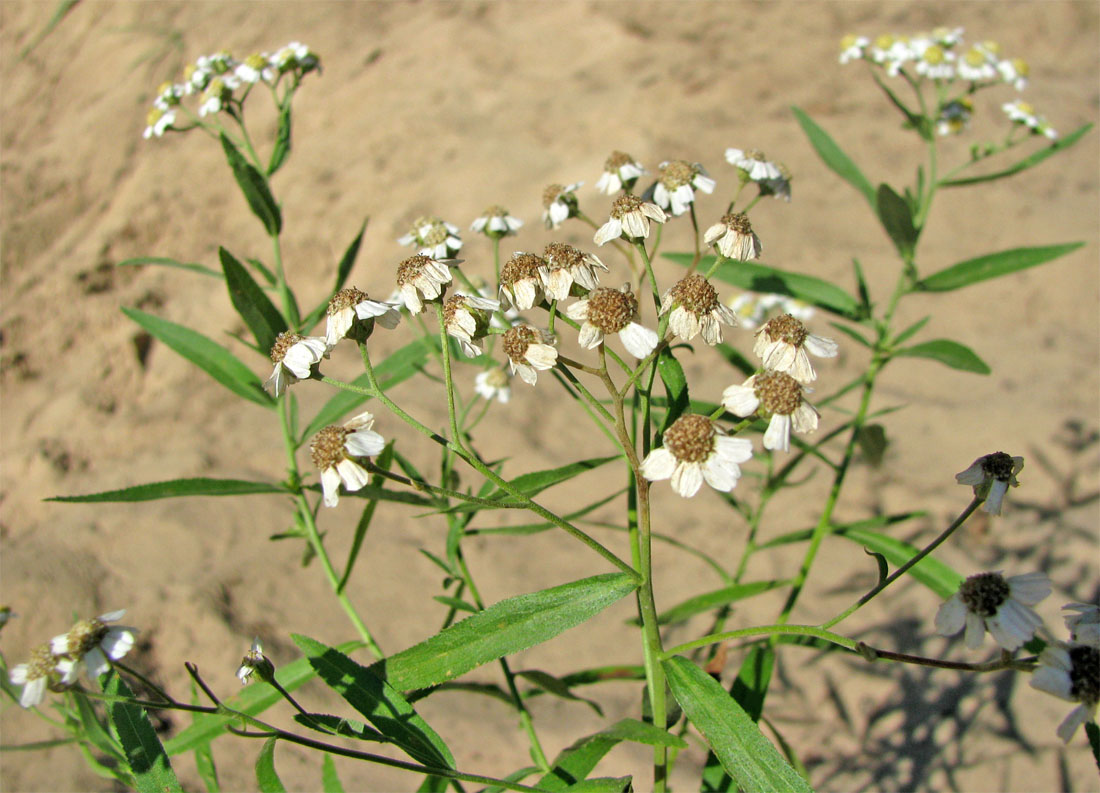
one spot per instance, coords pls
(620, 172)
(422, 276)
(780, 186)
(38, 674)
(782, 344)
(336, 450)
(677, 181)
(754, 164)
(734, 238)
(565, 266)
(495, 222)
(774, 394)
(1070, 672)
(93, 644)
(494, 384)
(433, 237)
(991, 476)
(1083, 623)
(521, 281)
(466, 318)
(607, 311)
(529, 349)
(559, 203)
(350, 307)
(294, 357)
(694, 451)
(630, 218)
(1001, 605)
(695, 308)
(255, 662)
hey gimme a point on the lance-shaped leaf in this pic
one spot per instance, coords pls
(573, 765)
(933, 573)
(749, 690)
(212, 358)
(251, 302)
(710, 600)
(330, 780)
(384, 706)
(897, 218)
(950, 353)
(164, 261)
(281, 150)
(992, 265)
(145, 754)
(347, 261)
(254, 187)
(746, 755)
(176, 488)
(1027, 162)
(535, 482)
(502, 629)
(267, 779)
(834, 157)
(676, 387)
(761, 278)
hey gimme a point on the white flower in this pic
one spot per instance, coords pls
(422, 276)
(1084, 623)
(565, 266)
(433, 237)
(495, 222)
(782, 344)
(954, 117)
(529, 349)
(774, 394)
(296, 56)
(629, 218)
(1070, 672)
(989, 601)
(620, 171)
(39, 673)
(734, 238)
(853, 47)
(935, 63)
(676, 184)
(607, 311)
(217, 94)
(991, 476)
(695, 308)
(521, 281)
(349, 305)
(466, 318)
(559, 204)
(694, 451)
(255, 662)
(158, 121)
(294, 357)
(1021, 112)
(336, 450)
(754, 164)
(780, 187)
(254, 68)
(977, 66)
(1014, 71)
(93, 644)
(494, 384)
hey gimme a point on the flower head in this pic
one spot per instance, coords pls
(774, 394)
(495, 222)
(1070, 672)
(466, 318)
(1083, 623)
(954, 116)
(38, 674)
(753, 164)
(977, 65)
(256, 67)
(521, 281)
(494, 384)
(989, 601)
(93, 644)
(606, 311)
(677, 181)
(620, 172)
(529, 349)
(853, 47)
(421, 278)
(566, 266)
(1014, 71)
(629, 219)
(433, 237)
(783, 342)
(991, 476)
(1022, 113)
(158, 121)
(936, 63)
(734, 238)
(696, 450)
(696, 308)
(336, 450)
(780, 186)
(352, 313)
(559, 204)
(294, 357)
(255, 663)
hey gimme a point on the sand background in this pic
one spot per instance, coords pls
(446, 108)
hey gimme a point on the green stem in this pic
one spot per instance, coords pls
(764, 630)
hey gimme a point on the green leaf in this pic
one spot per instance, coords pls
(862, 288)
(911, 331)
(253, 700)
(855, 335)
(254, 187)
(251, 302)
(950, 353)
(676, 387)
(337, 725)
(760, 278)
(207, 771)
(746, 755)
(1093, 733)
(710, 600)
(834, 157)
(504, 628)
(933, 573)
(95, 732)
(897, 218)
(557, 687)
(455, 603)
(992, 265)
(883, 566)
(212, 358)
(267, 779)
(751, 686)
(176, 488)
(576, 762)
(330, 782)
(263, 270)
(621, 784)
(281, 149)
(145, 754)
(872, 443)
(533, 483)
(166, 262)
(642, 732)
(735, 359)
(1028, 162)
(535, 528)
(878, 522)
(347, 261)
(383, 705)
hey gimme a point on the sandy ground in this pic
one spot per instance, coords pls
(446, 108)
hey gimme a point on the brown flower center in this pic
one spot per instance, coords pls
(551, 194)
(690, 438)
(998, 465)
(787, 329)
(1084, 675)
(411, 268)
(327, 448)
(617, 160)
(695, 293)
(624, 205)
(41, 663)
(283, 342)
(516, 341)
(677, 173)
(345, 298)
(85, 635)
(611, 310)
(755, 154)
(521, 266)
(560, 255)
(778, 392)
(738, 223)
(984, 593)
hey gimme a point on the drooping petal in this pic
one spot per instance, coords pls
(740, 400)
(639, 341)
(590, 336)
(1029, 588)
(951, 616)
(975, 630)
(330, 486)
(658, 464)
(364, 443)
(353, 475)
(687, 479)
(778, 435)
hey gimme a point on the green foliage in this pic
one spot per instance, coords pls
(145, 756)
(834, 157)
(255, 308)
(992, 265)
(254, 187)
(950, 353)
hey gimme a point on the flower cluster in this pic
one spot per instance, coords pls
(1071, 670)
(90, 645)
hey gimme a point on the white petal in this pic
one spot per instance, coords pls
(712, 331)
(526, 373)
(778, 355)
(59, 645)
(704, 183)
(684, 323)
(411, 298)
(636, 225)
(1075, 719)
(541, 356)
(737, 450)
(590, 336)
(778, 435)
(117, 643)
(330, 485)
(974, 475)
(338, 325)
(279, 380)
(740, 400)
(611, 230)
(363, 421)
(1029, 588)
(95, 663)
(658, 464)
(1053, 681)
(975, 630)
(559, 283)
(687, 479)
(994, 501)
(18, 674)
(951, 616)
(525, 294)
(714, 232)
(801, 369)
(353, 475)
(638, 340)
(805, 418)
(33, 692)
(820, 346)
(364, 443)
(721, 474)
